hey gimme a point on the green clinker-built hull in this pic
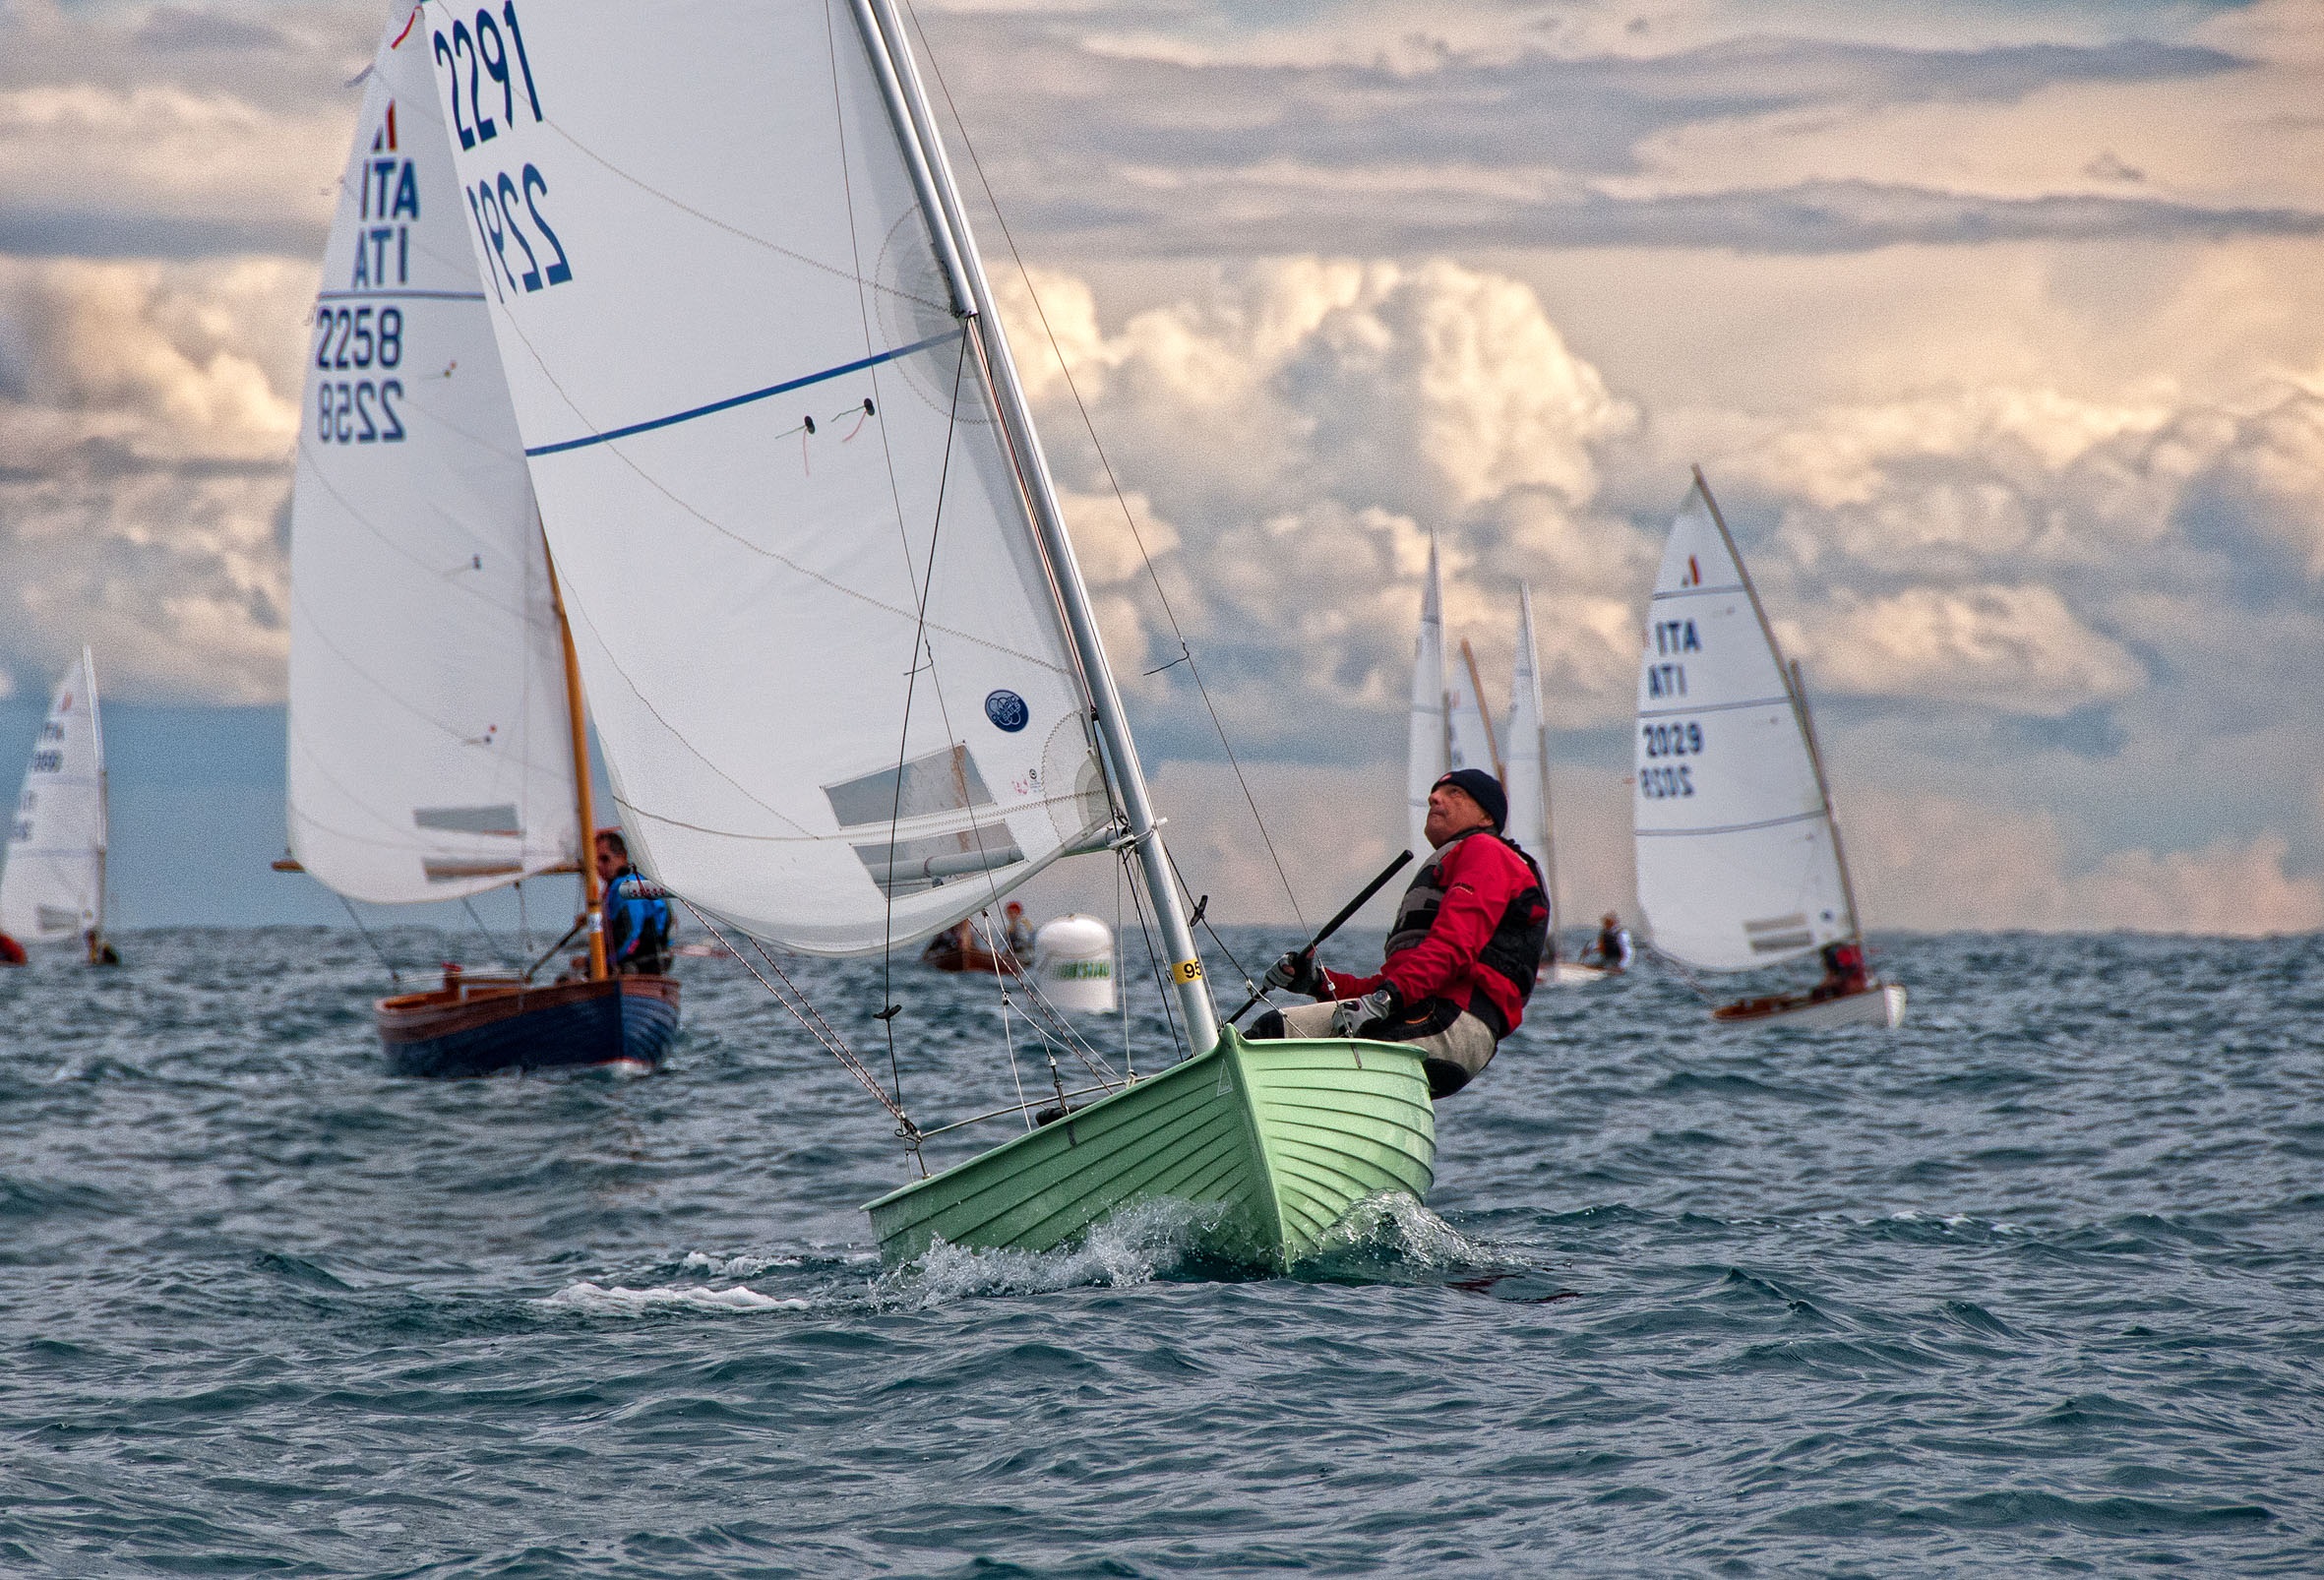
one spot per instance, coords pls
(1283, 1136)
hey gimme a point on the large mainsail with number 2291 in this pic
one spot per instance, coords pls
(835, 692)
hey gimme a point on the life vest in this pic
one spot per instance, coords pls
(640, 924)
(1514, 950)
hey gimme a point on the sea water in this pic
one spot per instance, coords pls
(2031, 1285)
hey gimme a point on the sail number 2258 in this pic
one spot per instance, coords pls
(506, 205)
(358, 412)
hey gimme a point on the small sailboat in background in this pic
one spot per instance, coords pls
(1427, 749)
(1449, 724)
(1739, 860)
(53, 885)
(438, 748)
(1527, 755)
(757, 367)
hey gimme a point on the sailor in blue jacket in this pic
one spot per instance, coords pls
(637, 921)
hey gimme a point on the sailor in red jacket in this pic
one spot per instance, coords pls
(1462, 953)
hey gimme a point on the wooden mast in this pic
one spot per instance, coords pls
(584, 798)
(1476, 690)
(940, 202)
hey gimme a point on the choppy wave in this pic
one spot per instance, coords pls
(2029, 1286)
(596, 1300)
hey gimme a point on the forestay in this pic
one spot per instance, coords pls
(1426, 750)
(430, 755)
(827, 665)
(53, 885)
(1736, 855)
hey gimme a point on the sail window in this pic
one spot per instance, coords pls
(946, 780)
(1779, 935)
(454, 870)
(501, 819)
(911, 865)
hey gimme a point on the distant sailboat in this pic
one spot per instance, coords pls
(53, 885)
(1739, 861)
(1527, 755)
(1449, 724)
(1428, 751)
(842, 663)
(437, 746)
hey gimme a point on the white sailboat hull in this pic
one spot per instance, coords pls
(1565, 974)
(1882, 1005)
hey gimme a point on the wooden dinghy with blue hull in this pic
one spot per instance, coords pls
(483, 1025)
(438, 738)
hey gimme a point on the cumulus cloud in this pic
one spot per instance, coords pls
(1293, 433)
(1935, 862)
(2015, 649)
(147, 440)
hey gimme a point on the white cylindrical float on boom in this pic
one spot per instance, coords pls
(1073, 962)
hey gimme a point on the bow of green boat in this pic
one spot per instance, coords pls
(1281, 1138)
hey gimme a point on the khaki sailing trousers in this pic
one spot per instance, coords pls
(1452, 1058)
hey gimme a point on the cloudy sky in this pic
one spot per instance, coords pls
(1996, 328)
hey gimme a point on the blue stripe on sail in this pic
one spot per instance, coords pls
(1725, 829)
(731, 402)
(399, 296)
(1713, 707)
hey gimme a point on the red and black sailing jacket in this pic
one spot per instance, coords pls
(1469, 931)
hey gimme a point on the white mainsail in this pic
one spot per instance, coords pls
(828, 666)
(1526, 754)
(1739, 864)
(53, 885)
(430, 751)
(1426, 749)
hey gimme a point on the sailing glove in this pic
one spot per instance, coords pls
(1298, 972)
(1353, 1014)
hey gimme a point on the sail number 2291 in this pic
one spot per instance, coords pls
(506, 206)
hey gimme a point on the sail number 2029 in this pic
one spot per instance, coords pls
(506, 206)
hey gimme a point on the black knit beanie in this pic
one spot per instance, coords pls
(1482, 788)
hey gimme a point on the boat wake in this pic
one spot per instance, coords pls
(596, 1300)
(1152, 1239)
(1393, 1239)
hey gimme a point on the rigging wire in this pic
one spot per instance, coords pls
(393, 976)
(493, 943)
(1137, 903)
(888, 1001)
(821, 1030)
(1128, 517)
(1679, 966)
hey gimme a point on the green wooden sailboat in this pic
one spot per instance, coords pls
(841, 657)
(1282, 1138)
